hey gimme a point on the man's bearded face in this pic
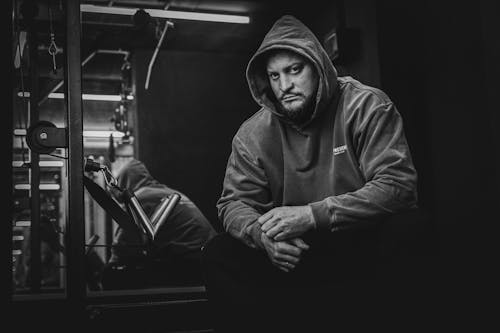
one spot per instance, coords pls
(294, 82)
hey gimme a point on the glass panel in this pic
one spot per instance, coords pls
(108, 107)
(40, 183)
(120, 259)
(176, 143)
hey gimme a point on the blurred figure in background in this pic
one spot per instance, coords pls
(175, 255)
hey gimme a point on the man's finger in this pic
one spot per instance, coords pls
(288, 249)
(268, 224)
(263, 218)
(276, 229)
(299, 243)
(287, 265)
(284, 269)
(287, 259)
(281, 236)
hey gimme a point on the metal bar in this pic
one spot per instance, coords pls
(35, 272)
(109, 236)
(84, 62)
(143, 218)
(159, 210)
(172, 202)
(123, 52)
(76, 225)
(153, 58)
(7, 144)
(169, 14)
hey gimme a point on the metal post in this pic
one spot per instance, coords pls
(35, 272)
(76, 283)
(7, 142)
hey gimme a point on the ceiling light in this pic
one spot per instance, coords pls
(168, 14)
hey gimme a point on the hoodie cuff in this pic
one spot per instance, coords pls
(255, 233)
(321, 215)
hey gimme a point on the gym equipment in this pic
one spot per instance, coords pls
(44, 137)
(136, 218)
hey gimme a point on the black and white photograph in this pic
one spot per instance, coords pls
(218, 166)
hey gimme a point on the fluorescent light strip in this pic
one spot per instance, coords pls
(87, 97)
(48, 187)
(17, 238)
(23, 223)
(172, 14)
(19, 131)
(17, 164)
(102, 134)
(86, 134)
(59, 164)
(54, 187)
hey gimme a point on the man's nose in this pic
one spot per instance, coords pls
(285, 83)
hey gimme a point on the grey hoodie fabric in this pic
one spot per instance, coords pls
(350, 161)
(183, 235)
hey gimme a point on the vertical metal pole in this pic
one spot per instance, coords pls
(35, 272)
(7, 141)
(76, 228)
(109, 236)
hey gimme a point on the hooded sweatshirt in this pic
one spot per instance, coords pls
(183, 234)
(350, 162)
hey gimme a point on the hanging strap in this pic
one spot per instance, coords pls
(109, 205)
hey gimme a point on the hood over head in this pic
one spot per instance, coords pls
(290, 34)
(134, 176)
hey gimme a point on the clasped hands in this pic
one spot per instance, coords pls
(281, 230)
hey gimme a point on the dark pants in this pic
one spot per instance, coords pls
(333, 282)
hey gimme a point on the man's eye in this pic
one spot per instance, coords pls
(296, 69)
(273, 76)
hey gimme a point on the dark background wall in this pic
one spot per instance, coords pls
(437, 65)
(187, 118)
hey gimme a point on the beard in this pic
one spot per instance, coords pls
(298, 113)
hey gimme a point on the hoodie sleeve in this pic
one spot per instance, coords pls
(245, 196)
(386, 164)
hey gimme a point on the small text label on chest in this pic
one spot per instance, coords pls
(339, 150)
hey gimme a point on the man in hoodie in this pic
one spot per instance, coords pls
(175, 255)
(309, 175)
